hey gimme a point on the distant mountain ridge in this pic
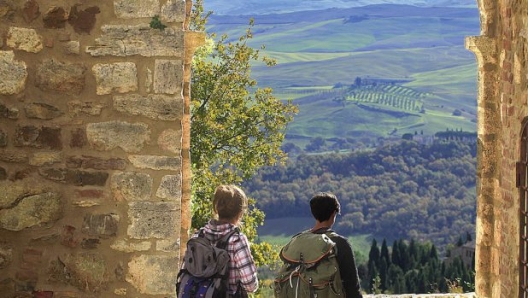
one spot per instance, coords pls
(260, 7)
(373, 11)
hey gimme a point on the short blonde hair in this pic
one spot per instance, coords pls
(229, 202)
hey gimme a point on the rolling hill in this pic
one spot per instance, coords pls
(419, 49)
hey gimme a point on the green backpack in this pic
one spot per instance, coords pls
(310, 268)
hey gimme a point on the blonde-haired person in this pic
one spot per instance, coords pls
(229, 205)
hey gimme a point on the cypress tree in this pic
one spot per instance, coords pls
(385, 252)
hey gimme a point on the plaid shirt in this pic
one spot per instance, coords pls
(241, 265)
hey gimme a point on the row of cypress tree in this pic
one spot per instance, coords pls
(413, 267)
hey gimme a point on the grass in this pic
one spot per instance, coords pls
(316, 50)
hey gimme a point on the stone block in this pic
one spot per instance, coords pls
(102, 225)
(170, 188)
(106, 136)
(96, 163)
(24, 39)
(120, 77)
(171, 140)
(6, 254)
(131, 186)
(45, 158)
(156, 162)
(158, 107)
(30, 211)
(77, 107)
(78, 138)
(173, 11)
(119, 40)
(74, 177)
(153, 275)
(83, 21)
(3, 138)
(38, 137)
(62, 77)
(42, 111)
(158, 220)
(86, 271)
(132, 9)
(13, 156)
(168, 76)
(55, 18)
(14, 74)
(30, 11)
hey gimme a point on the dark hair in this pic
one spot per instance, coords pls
(229, 202)
(323, 205)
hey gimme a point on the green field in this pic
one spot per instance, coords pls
(423, 51)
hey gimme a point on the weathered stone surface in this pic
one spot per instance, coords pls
(13, 74)
(76, 107)
(85, 271)
(78, 138)
(68, 78)
(168, 245)
(102, 225)
(38, 137)
(131, 186)
(9, 113)
(159, 107)
(119, 40)
(130, 137)
(3, 138)
(68, 237)
(3, 174)
(33, 210)
(173, 11)
(13, 156)
(170, 140)
(30, 11)
(90, 162)
(120, 77)
(45, 158)
(74, 177)
(83, 21)
(131, 9)
(128, 246)
(7, 9)
(6, 254)
(168, 76)
(55, 17)
(155, 162)
(43, 111)
(72, 47)
(170, 188)
(153, 275)
(24, 39)
(153, 219)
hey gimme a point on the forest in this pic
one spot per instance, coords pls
(413, 267)
(405, 189)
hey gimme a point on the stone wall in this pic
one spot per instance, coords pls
(502, 52)
(94, 138)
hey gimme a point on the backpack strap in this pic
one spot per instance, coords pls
(222, 242)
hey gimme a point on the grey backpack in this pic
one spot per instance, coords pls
(205, 270)
(310, 268)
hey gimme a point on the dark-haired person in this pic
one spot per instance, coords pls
(229, 205)
(325, 207)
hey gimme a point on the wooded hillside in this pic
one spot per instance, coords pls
(403, 190)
